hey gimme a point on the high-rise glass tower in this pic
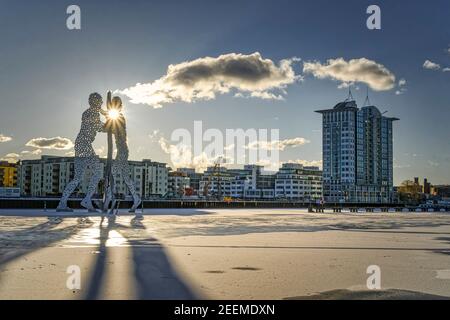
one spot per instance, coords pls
(357, 154)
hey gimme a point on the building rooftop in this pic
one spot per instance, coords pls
(351, 105)
(341, 106)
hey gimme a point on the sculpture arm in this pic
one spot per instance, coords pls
(99, 125)
(104, 127)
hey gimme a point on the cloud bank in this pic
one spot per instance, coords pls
(34, 152)
(182, 156)
(205, 78)
(56, 143)
(4, 138)
(279, 145)
(307, 163)
(375, 75)
(11, 157)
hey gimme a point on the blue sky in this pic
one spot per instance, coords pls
(48, 71)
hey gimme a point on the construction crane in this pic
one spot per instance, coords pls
(215, 173)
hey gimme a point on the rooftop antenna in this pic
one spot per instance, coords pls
(367, 102)
(350, 96)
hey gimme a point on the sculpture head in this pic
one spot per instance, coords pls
(115, 110)
(116, 103)
(95, 100)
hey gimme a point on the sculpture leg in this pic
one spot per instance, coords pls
(94, 163)
(130, 184)
(108, 198)
(80, 167)
(110, 191)
(115, 202)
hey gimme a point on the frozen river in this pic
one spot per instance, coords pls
(224, 254)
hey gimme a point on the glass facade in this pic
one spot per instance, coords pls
(357, 154)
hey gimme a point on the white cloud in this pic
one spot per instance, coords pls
(275, 166)
(55, 143)
(12, 155)
(181, 156)
(431, 65)
(155, 135)
(34, 152)
(204, 78)
(307, 163)
(375, 75)
(402, 87)
(446, 69)
(100, 151)
(345, 85)
(269, 166)
(4, 138)
(278, 144)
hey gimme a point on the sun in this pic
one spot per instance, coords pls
(113, 114)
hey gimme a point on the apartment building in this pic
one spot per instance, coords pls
(357, 154)
(49, 175)
(296, 182)
(8, 174)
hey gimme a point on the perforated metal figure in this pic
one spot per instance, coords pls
(120, 163)
(85, 156)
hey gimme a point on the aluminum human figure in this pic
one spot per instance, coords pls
(85, 156)
(120, 164)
